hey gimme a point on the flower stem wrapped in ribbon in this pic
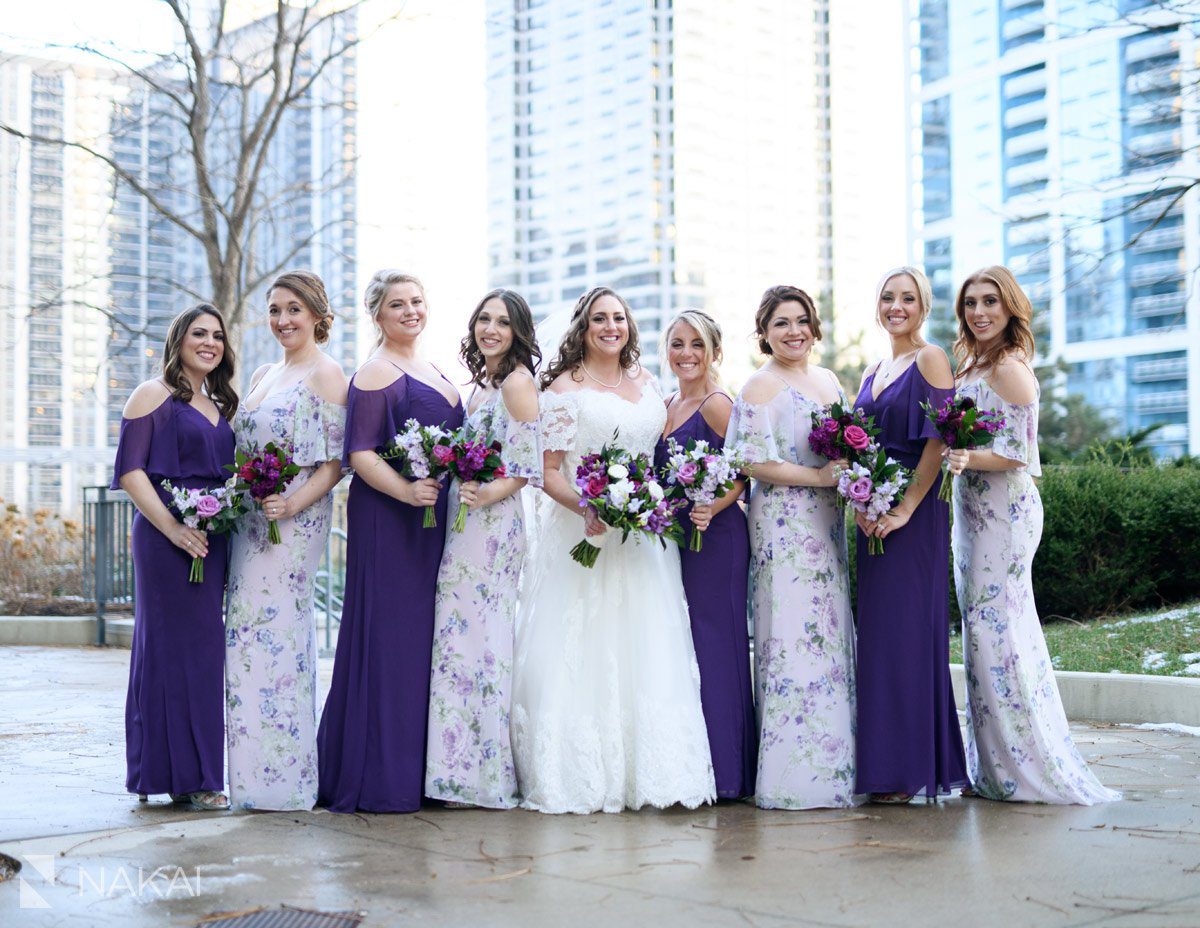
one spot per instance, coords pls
(874, 485)
(474, 460)
(701, 475)
(263, 473)
(839, 433)
(962, 426)
(212, 511)
(622, 489)
(421, 451)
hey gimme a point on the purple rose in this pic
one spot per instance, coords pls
(860, 490)
(687, 473)
(443, 454)
(207, 506)
(856, 437)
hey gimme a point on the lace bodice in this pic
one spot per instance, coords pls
(582, 421)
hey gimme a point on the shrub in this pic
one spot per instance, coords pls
(1115, 538)
(40, 557)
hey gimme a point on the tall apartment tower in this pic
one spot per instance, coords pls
(91, 275)
(674, 150)
(1060, 138)
(54, 282)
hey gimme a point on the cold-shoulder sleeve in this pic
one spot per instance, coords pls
(521, 449)
(148, 443)
(319, 432)
(919, 428)
(766, 432)
(1017, 441)
(373, 417)
(559, 421)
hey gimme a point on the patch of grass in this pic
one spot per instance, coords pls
(1137, 644)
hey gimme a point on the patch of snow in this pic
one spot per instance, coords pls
(1173, 727)
(1167, 616)
(1193, 669)
(1154, 660)
(1190, 658)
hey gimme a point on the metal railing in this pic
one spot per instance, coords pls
(107, 550)
(331, 576)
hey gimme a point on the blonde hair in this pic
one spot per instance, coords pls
(706, 328)
(924, 290)
(377, 289)
(1018, 333)
(311, 290)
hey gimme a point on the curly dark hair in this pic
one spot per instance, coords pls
(219, 381)
(570, 350)
(784, 293)
(524, 351)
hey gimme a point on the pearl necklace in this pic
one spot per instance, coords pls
(611, 386)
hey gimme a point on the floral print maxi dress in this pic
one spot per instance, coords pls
(270, 625)
(1018, 744)
(469, 755)
(800, 604)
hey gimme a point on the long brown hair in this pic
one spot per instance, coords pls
(219, 382)
(524, 351)
(1017, 336)
(771, 299)
(570, 350)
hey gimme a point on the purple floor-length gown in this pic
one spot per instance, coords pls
(371, 742)
(715, 583)
(908, 735)
(175, 707)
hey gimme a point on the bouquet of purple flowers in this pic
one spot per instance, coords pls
(701, 475)
(962, 425)
(423, 451)
(473, 459)
(839, 433)
(213, 511)
(622, 490)
(265, 473)
(873, 485)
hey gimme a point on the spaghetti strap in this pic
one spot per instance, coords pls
(718, 393)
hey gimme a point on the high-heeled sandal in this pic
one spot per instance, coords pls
(203, 800)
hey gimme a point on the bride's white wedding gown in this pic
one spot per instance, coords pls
(606, 693)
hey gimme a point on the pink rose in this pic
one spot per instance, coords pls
(207, 506)
(443, 454)
(856, 438)
(687, 473)
(860, 489)
(595, 485)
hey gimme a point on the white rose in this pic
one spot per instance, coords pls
(619, 492)
(618, 471)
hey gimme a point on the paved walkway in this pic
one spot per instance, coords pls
(1134, 864)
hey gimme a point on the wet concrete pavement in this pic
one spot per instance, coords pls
(108, 860)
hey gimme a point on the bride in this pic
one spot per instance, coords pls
(606, 695)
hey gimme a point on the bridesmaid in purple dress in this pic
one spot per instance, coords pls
(908, 735)
(371, 742)
(715, 578)
(176, 428)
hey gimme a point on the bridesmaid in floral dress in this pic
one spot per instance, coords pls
(799, 581)
(371, 741)
(469, 759)
(175, 428)
(908, 735)
(1019, 747)
(270, 624)
(714, 578)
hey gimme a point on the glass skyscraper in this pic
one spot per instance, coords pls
(675, 150)
(1058, 139)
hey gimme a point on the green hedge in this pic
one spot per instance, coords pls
(1114, 539)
